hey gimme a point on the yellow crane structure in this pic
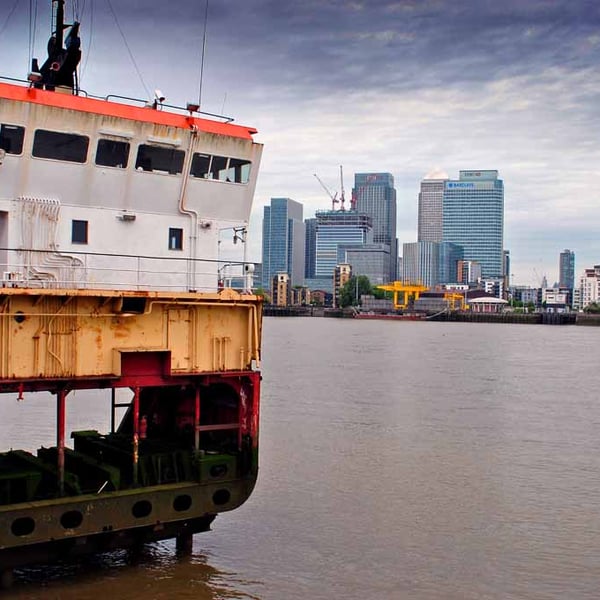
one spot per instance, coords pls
(405, 294)
(456, 301)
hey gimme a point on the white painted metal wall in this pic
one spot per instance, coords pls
(42, 197)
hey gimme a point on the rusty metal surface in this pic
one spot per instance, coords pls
(114, 512)
(58, 334)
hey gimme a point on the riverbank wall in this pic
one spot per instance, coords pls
(461, 317)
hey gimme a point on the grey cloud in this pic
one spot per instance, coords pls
(313, 47)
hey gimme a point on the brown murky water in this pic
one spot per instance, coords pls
(398, 461)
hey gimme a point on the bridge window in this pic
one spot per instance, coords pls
(11, 138)
(175, 238)
(79, 232)
(158, 159)
(60, 146)
(110, 153)
(239, 170)
(200, 165)
(220, 168)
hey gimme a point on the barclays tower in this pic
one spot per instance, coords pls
(473, 217)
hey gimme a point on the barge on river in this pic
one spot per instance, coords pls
(111, 217)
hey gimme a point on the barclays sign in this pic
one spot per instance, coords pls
(452, 185)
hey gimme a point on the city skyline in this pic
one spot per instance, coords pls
(399, 86)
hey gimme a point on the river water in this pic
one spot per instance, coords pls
(399, 460)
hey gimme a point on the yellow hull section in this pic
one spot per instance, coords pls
(50, 333)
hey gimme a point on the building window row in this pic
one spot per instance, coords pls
(70, 147)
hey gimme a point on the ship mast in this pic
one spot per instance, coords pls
(58, 21)
(64, 53)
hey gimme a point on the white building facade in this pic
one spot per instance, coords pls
(589, 286)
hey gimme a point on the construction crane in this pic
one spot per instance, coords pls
(333, 197)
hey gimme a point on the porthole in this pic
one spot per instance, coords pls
(221, 497)
(71, 519)
(182, 503)
(22, 526)
(141, 509)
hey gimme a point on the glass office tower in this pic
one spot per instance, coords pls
(566, 276)
(310, 253)
(375, 195)
(473, 217)
(283, 241)
(334, 229)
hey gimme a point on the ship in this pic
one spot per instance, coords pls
(112, 213)
(390, 316)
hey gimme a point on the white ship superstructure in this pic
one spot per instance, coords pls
(96, 193)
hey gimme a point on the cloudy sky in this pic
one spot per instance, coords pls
(405, 87)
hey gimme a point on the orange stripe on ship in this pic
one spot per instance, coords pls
(123, 111)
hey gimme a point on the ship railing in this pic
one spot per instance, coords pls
(137, 102)
(32, 268)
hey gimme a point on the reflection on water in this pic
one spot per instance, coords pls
(157, 572)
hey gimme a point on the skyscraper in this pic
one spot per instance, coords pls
(335, 229)
(310, 254)
(566, 276)
(375, 195)
(431, 199)
(473, 217)
(283, 241)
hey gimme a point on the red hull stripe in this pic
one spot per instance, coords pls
(122, 111)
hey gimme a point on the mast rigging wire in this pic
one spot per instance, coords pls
(83, 4)
(128, 49)
(32, 29)
(91, 39)
(202, 56)
(10, 14)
